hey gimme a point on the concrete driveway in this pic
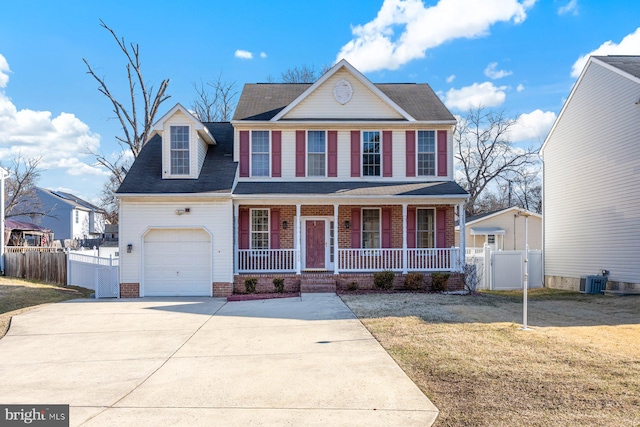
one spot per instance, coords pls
(203, 361)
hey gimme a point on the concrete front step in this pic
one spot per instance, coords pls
(317, 288)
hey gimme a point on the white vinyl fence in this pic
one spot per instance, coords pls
(503, 270)
(94, 272)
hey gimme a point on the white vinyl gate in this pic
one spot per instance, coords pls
(93, 272)
(505, 269)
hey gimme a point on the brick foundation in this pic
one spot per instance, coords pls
(129, 290)
(365, 281)
(265, 282)
(221, 289)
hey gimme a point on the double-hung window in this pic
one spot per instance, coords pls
(260, 153)
(426, 152)
(371, 158)
(316, 153)
(179, 150)
(371, 228)
(259, 229)
(425, 229)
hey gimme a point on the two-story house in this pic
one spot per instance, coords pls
(315, 183)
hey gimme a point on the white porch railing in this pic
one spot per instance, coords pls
(433, 259)
(267, 260)
(474, 252)
(350, 260)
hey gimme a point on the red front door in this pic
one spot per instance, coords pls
(314, 248)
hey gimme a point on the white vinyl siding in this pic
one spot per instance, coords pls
(137, 215)
(591, 173)
(364, 104)
(202, 153)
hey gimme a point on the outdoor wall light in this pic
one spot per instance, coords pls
(347, 224)
(285, 225)
(129, 248)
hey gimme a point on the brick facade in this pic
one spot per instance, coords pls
(221, 289)
(129, 290)
(365, 281)
(265, 282)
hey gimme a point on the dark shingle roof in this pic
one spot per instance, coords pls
(628, 64)
(217, 175)
(351, 188)
(262, 101)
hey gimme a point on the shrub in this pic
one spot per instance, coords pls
(383, 279)
(250, 285)
(414, 281)
(353, 286)
(439, 282)
(278, 284)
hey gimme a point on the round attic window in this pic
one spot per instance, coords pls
(342, 91)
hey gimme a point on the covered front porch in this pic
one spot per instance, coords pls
(295, 237)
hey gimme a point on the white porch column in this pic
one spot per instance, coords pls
(463, 234)
(404, 238)
(236, 238)
(298, 252)
(335, 239)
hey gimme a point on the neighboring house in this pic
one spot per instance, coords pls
(591, 159)
(311, 182)
(68, 216)
(503, 230)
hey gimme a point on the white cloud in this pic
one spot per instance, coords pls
(495, 74)
(263, 55)
(243, 54)
(630, 45)
(375, 45)
(571, 7)
(478, 94)
(4, 70)
(451, 78)
(61, 142)
(533, 126)
(520, 88)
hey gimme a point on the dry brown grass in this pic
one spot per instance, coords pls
(578, 366)
(18, 296)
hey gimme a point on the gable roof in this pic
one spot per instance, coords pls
(624, 65)
(270, 101)
(487, 215)
(70, 199)
(217, 174)
(202, 130)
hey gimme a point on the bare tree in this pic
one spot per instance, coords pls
(135, 114)
(216, 101)
(485, 154)
(20, 188)
(303, 74)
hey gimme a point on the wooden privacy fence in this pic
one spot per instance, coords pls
(50, 267)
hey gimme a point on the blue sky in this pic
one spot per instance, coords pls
(521, 56)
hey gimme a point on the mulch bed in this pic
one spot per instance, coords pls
(251, 297)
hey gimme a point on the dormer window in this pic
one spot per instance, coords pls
(179, 150)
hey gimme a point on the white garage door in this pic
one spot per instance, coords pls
(177, 263)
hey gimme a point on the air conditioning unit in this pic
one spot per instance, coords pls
(593, 284)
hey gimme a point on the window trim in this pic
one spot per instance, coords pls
(362, 153)
(435, 153)
(362, 240)
(269, 153)
(268, 232)
(189, 150)
(326, 154)
(433, 232)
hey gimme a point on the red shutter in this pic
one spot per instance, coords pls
(386, 227)
(300, 152)
(355, 154)
(276, 154)
(411, 153)
(355, 228)
(244, 153)
(442, 153)
(411, 228)
(275, 228)
(441, 227)
(332, 153)
(243, 228)
(387, 153)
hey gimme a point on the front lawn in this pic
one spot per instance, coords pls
(578, 366)
(17, 296)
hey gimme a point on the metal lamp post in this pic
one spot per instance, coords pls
(525, 285)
